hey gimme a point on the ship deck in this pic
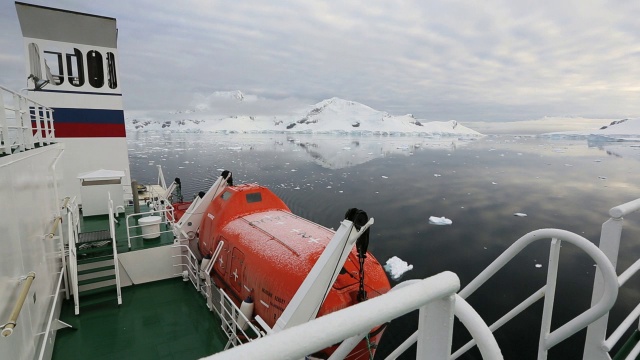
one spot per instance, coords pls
(165, 319)
(101, 222)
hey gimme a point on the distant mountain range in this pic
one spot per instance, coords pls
(333, 115)
(617, 130)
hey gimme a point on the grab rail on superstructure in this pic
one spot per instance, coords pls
(7, 329)
(23, 123)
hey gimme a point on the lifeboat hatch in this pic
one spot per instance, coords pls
(235, 270)
(221, 264)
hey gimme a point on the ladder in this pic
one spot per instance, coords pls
(93, 259)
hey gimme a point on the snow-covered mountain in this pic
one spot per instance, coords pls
(328, 116)
(617, 130)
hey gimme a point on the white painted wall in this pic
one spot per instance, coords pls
(27, 210)
(88, 154)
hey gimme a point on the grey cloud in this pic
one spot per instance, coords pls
(484, 61)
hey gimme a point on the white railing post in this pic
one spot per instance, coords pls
(25, 123)
(115, 249)
(49, 130)
(18, 122)
(435, 329)
(549, 298)
(597, 331)
(73, 262)
(38, 119)
(4, 129)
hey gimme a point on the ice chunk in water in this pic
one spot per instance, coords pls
(434, 220)
(396, 267)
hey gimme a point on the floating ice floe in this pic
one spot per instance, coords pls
(236, 148)
(396, 267)
(538, 265)
(385, 177)
(494, 183)
(520, 214)
(437, 175)
(434, 220)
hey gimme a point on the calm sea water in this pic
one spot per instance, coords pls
(402, 181)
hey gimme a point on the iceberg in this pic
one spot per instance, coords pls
(434, 220)
(396, 267)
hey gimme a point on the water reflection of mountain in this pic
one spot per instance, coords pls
(618, 148)
(335, 152)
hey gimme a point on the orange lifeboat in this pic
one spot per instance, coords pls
(268, 251)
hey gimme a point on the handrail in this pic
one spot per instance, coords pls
(192, 265)
(116, 265)
(307, 338)
(51, 313)
(7, 329)
(625, 209)
(54, 227)
(169, 215)
(548, 340)
(26, 113)
(73, 260)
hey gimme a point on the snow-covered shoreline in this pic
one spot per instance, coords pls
(331, 116)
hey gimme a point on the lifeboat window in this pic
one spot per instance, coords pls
(95, 69)
(75, 68)
(112, 81)
(254, 197)
(226, 195)
(53, 67)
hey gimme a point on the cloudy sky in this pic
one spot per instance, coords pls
(466, 60)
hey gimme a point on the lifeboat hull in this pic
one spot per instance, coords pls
(268, 251)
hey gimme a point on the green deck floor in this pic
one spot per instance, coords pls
(101, 222)
(165, 319)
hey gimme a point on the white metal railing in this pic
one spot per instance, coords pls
(190, 263)
(547, 338)
(597, 345)
(166, 214)
(434, 296)
(116, 265)
(48, 332)
(73, 259)
(234, 323)
(236, 326)
(23, 122)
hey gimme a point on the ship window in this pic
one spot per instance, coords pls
(254, 197)
(53, 67)
(75, 68)
(112, 81)
(95, 69)
(226, 195)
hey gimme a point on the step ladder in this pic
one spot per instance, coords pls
(93, 261)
